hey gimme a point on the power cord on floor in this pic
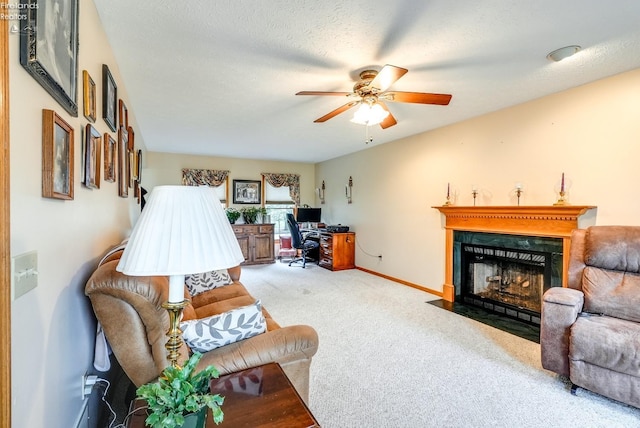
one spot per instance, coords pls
(113, 417)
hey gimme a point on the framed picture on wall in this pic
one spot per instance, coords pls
(109, 98)
(57, 157)
(139, 166)
(49, 47)
(110, 156)
(123, 114)
(92, 157)
(123, 163)
(247, 191)
(89, 96)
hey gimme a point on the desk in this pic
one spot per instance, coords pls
(254, 398)
(338, 250)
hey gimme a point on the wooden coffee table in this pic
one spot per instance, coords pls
(259, 397)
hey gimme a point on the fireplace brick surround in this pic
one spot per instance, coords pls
(545, 221)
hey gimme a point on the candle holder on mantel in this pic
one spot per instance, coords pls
(519, 192)
(562, 200)
(474, 193)
(448, 201)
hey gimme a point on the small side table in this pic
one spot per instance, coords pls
(254, 398)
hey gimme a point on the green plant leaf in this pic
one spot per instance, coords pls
(178, 392)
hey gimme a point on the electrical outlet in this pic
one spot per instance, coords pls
(87, 384)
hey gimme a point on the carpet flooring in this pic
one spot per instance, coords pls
(388, 358)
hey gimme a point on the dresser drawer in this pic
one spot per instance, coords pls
(266, 228)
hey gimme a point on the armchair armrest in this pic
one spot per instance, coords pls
(560, 309)
(292, 347)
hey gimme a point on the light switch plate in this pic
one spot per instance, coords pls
(24, 273)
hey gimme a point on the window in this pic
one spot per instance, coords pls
(278, 203)
(221, 192)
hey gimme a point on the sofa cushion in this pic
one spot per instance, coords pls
(219, 294)
(201, 282)
(205, 334)
(606, 342)
(226, 305)
(613, 248)
(612, 293)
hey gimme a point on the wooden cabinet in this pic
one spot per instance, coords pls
(338, 250)
(256, 242)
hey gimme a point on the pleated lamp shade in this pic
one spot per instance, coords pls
(182, 230)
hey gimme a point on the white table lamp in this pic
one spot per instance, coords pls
(182, 230)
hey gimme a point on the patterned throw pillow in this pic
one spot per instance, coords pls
(205, 334)
(201, 282)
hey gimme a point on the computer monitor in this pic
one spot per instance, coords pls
(308, 215)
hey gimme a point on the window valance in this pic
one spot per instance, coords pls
(291, 180)
(202, 177)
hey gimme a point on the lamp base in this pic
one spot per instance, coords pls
(174, 333)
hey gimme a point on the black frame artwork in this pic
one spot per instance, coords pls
(247, 191)
(109, 98)
(49, 47)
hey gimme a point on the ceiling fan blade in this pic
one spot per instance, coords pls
(336, 112)
(417, 97)
(387, 77)
(344, 94)
(389, 120)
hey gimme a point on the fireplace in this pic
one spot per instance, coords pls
(503, 258)
(506, 274)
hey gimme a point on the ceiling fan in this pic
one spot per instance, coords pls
(371, 92)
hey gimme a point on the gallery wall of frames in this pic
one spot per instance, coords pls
(49, 53)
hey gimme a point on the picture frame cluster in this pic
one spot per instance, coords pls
(49, 53)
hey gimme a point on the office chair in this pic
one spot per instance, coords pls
(298, 242)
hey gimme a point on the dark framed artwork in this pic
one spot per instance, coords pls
(109, 98)
(139, 166)
(247, 191)
(123, 114)
(123, 163)
(132, 155)
(89, 96)
(49, 48)
(57, 157)
(92, 157)
(110, 156)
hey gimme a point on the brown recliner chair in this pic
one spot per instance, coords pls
(590, 331)
(135, 325)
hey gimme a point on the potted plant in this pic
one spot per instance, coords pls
(250, 214)
(232, 214)
(180, 397)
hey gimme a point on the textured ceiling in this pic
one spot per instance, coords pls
(220, 77)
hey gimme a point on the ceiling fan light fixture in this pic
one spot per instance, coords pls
(369, 114)
(562, 53)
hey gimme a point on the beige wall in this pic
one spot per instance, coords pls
(591, 133)
(166, 168)
(53, 325)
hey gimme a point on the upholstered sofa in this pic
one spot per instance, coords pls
(135, 325)
(590, 331)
